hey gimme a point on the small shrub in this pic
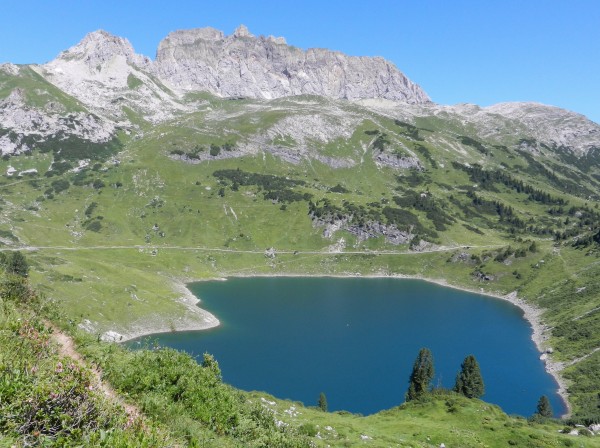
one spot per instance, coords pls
(94, 226)
(308, 429)
(98, 184)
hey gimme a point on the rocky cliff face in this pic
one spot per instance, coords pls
(266, 67)
(101, 85)
(105, 74)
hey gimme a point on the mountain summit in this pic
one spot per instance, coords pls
(266, 67)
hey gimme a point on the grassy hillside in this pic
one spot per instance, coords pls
(52, 397)
(312, 186)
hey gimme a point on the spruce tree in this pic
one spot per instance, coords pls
(469, 381)
(323, 402)
(544, 408)
(421, 375)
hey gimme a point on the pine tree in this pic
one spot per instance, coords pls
(469, 381)
(323, 402)
(544, 408)
(421, 375)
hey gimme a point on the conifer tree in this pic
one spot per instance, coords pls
(469, 381)
(323, 402)
(421, 375)
(544, 408)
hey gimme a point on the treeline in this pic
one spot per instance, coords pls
(486, 179)
(277, 188)
(505, 212)
(426, 202)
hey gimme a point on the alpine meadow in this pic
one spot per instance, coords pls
(125, 178)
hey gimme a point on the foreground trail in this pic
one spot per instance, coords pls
(66, 347)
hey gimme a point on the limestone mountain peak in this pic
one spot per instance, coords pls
(266, 67)
(242, 31)
(99, 47)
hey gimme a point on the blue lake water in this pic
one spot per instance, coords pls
(355, 339)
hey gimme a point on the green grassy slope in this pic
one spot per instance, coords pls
(112, 240)
(50, 398)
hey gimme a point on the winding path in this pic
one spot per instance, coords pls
(66, 347)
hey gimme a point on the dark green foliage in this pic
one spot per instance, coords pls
(98, 184)
(58, 168)
(71, 148)
(469, 381)
(426, 153)
(421, 375)
(15, 263)
(536, 168)
(487, 179)
(322, 402)
(8, 234)
(473, 229)
(277, 188)
(214, 150)
(413, 179)
(505, 212)
(60, 185)
(94, 226)
(408, 129)
(407, 221)
(80, 179)
(265, 181)
(380, 142)
(338, 189)
(544, 409)
(427, 203)
(286, 196)
(473, 143)
(89, 210)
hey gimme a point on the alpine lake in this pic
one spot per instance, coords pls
(356, 339)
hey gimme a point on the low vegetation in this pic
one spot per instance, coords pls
(52, 397)
(112, 227)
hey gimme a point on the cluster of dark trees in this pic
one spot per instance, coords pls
(505, 212)
(276, 188)
(469, 381)
(427, 203)
(486, 179)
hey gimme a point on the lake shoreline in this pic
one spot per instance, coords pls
(200, 319)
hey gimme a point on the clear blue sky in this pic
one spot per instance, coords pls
(475, 51)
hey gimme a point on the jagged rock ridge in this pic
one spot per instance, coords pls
(266, 67)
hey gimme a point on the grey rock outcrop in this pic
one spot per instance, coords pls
(24, 120)
(104, 73)
(266, 67)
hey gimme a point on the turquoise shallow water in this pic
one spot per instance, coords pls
(356, 340)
